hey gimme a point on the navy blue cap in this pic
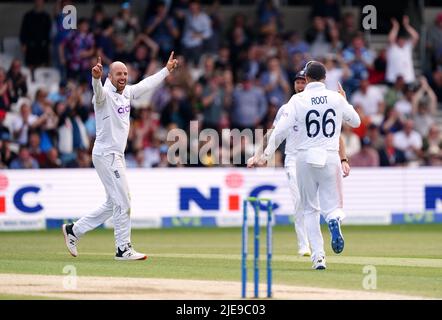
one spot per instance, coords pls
(300, 75)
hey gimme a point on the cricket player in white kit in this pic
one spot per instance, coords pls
(112, 109)
(316, 115)
(290, 166)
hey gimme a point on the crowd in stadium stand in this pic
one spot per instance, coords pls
(232, 74)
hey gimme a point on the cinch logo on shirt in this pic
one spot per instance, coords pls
(122, 110)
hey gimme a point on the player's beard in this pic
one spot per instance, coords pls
(120, 87)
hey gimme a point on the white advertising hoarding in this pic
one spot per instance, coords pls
(210, 197)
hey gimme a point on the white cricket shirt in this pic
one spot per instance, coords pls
(291, 139)
(317, 114)
(112, 111)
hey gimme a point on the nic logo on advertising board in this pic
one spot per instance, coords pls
(433, 198)
(432, 212)
(212, 201)
(18, 197)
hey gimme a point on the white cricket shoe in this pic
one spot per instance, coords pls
(70, 239)
(304, 252)
(319, 263)
(128, 253)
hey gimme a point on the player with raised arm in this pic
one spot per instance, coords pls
(290, 167)
(112, 108)
(317, 114)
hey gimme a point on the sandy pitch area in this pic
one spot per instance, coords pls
(164, 289)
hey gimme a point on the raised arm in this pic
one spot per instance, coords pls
(425, 88)
(152, 82)
(349, 114)
(433, 100)
(97, 86)
(392, 36)
(417, 97)
(411, 31)
(152, 45)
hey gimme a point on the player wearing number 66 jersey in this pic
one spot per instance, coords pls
(290, 167)
(316, 115)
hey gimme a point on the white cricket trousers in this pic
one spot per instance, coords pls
(111, 169)
(301, 232)
(325, 183)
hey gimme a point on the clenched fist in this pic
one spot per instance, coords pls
(256, 161)
(97, 70)
(251, 162)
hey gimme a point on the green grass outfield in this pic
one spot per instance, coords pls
(408, 258)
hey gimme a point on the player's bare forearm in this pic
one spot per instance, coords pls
(411, 31)
(392, 36)
(343, 156)
(342, 151)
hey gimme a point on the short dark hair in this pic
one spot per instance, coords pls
(365, 141)
(98, 8)
(82, 20)
(107, 23)
(315, 70)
